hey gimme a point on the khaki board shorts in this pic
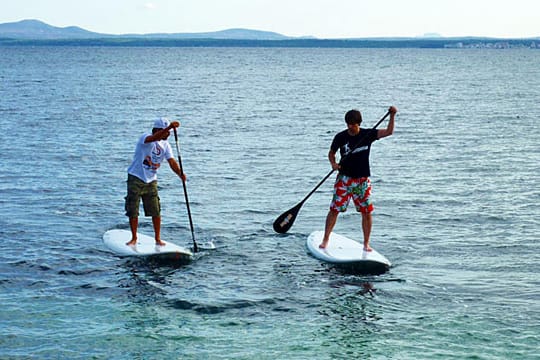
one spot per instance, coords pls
(137, 190)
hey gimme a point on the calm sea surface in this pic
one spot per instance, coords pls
(456, 192)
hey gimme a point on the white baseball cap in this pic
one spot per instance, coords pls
(161, 123)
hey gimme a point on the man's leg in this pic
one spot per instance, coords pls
(331, 219)
(367, 222)
(156, 221)
(133, 199)
(133, 224)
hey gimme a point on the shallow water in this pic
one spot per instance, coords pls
(455, 190)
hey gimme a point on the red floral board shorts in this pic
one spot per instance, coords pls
(347, 188)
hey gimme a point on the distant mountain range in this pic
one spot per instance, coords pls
(38, 33)
(38, 30)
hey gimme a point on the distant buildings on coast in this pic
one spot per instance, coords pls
(493, 45)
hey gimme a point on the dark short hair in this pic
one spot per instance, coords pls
(353, 117)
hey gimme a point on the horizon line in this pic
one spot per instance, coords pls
(427, 35)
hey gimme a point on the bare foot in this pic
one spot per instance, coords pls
(132, 242)
(367, 249)
(323, 245)
(160, 243)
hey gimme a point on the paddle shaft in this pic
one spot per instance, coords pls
(317, 186)
(284, 222)
(195, 247)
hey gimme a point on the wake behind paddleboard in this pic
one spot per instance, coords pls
(346, 252)
(116, 239)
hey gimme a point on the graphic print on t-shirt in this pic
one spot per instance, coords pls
(347, 149)
(153, 161)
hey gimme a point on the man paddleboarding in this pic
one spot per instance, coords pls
(352, 181)
(150, 151)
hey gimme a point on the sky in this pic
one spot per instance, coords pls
(324, 19)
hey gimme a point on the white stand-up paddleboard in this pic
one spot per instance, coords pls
(346, 252)
(116, 240)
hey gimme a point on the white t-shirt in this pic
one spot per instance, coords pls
(148, 158)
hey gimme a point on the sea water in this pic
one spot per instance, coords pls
(456, 193)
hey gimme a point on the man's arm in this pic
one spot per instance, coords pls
(390, 128)
(332, 159)
(176, 168)
(161, 134)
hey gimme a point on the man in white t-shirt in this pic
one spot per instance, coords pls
(150, 152)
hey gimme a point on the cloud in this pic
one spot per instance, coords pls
(150, 5)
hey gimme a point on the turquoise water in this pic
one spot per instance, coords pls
(455, 190)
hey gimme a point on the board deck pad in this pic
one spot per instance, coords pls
(116, 239)
(344, 251)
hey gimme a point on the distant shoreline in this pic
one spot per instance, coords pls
(37, 33)
(435, 43)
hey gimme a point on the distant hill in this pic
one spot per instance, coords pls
(38, 33)
(236, 34)
(38, 30)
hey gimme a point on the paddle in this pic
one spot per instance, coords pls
(195, 247)
(285, 221)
